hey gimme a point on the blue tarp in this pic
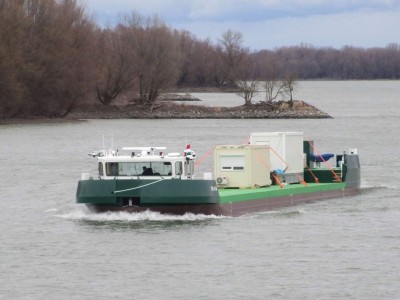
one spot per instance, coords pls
(279, 172)
(322, 157)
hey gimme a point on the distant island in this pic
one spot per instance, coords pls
(167, 109)
(170, 110)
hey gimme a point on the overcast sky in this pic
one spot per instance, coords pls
(266, 24)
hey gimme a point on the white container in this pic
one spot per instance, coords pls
(85, 176)
(286, 152)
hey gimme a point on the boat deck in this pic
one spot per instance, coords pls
(236, 195)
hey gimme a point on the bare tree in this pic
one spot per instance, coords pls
(186, 43)
(248, 86)
(48, 44)
(233, 56)
(115, 66)
(204, 64)
(199, 63)
(12, 37)
(271, 83)
(289, 84)
(155, 55)
(248, 89)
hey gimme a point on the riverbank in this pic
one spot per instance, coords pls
(171, 110)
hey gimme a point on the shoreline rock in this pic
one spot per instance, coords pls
(171, 110)
(168, 110)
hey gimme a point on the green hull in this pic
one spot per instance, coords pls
(238, 195)
(239, 202)
(147, 192)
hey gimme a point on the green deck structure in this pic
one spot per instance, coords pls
(239, 195)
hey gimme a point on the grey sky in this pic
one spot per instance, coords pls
(270, 23)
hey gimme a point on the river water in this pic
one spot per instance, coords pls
(346, 248)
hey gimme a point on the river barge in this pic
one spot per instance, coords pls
(272, 171)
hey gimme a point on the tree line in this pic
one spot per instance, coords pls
(53, 57)
(309, 62)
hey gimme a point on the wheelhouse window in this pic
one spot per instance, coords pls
(178, 168)
(112, 169)
(101, 172)
(232, 162)
(139, 169)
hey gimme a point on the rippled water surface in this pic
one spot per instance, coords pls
(346, 248)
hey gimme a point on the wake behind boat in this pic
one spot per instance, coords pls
(274, 170)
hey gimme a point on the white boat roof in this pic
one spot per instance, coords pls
(141, 158)
(143, 154)
(140, 154)
(143, 148)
